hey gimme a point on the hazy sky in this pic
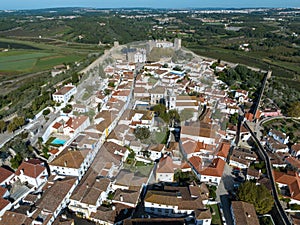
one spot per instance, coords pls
(36, 4)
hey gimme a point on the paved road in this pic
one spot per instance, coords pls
(278, 207)
(223, 195)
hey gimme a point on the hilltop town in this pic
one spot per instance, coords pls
(151, 133)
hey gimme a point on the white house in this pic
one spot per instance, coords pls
(171, 202)
(76, 125)
(33, 172)
(157, 95)
(165, 170)
(71, 162)
(291, 182)
(212, 174)
(64, 94)
(53, 200)
(86, 199)
(295, 150)
(279, 136)
(156, 151)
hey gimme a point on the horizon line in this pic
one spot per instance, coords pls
(153, 8)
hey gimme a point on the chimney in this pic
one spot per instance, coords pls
(22, 171)
(65, 163)
(121, 198)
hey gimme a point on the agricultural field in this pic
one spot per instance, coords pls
(28, 56)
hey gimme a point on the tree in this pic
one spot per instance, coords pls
(46, 112)
(142, 133)
(234, 118)
(11, 127)
(67, 109)
(2, 126)
(16, 161)
(258, 195)
(294, 109)
(75, 78)
(159, 109)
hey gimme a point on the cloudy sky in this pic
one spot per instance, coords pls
(36, 4)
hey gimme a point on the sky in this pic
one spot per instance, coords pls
(38, 4)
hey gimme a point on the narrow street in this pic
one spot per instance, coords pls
(223, 195)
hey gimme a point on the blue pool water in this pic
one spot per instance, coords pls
(57, 141)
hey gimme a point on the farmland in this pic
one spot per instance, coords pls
(28, 56)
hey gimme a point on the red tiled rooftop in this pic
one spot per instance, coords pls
(30, 168)
(4, 174)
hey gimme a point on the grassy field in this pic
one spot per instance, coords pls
(26, 56)
(20, 60)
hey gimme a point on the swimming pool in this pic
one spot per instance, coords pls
(58, 141)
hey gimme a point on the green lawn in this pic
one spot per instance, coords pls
(216, 217)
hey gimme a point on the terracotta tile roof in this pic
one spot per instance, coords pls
(174, 196)
(191, 146)
(101, 161)
(57, 125)
(59, 189)
(70, 158)
(165, 165)
(294, 162)
(4, 174)
(64, 90)
(198, 131)
(3, 203)
(31, 168)
(196, 162)
(14, 218)
(112, 216)
(253, 172)
(94, 191)
(2, 191)
(74, 123)
(128, 178)
(126, 196)
(155, 221)
(224, 149)
(203, 214)
(244, 213)
(292, 180)
(157, 147)
(215, 169)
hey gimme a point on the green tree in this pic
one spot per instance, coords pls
(46, 112)
(294, 109)
(258, 195)
(67, 109)
(234, 118)
(142, 133)
(159, 109)
(75, 78)
(11, 127)
(2, 126)
(16, 161)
